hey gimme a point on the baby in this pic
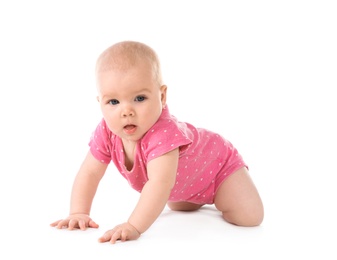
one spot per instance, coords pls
(168, 162)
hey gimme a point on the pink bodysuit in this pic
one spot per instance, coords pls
(205, 159)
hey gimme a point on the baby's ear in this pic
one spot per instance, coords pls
(163, 90)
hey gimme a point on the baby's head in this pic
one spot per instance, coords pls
(123, 55)
(130, 89)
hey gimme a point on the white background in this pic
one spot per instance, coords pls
(261, 73)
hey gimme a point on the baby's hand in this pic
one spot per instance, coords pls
(121, 232)
(81, 221)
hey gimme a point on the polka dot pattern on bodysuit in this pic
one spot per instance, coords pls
(205, 160)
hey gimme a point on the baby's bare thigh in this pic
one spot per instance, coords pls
(239, 199)
(183, 206)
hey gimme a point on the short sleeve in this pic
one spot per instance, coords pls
(166, 135)
(100, 143)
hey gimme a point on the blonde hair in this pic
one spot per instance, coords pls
(126, 54)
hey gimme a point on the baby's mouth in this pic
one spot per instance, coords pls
(130, 129)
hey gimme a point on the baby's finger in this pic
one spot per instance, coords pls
(106, 237)
(93, 224)
(54, 224)
(81, 224)
(72, 224)
(116, 236)
(62, 223)
(124, 235)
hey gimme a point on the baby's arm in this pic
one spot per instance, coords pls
(162, 175)
(83, 192)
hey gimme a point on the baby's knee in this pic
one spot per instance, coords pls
(246, 219)
(183, 206)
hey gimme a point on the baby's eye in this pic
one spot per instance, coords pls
(113, 102)
(140, 98)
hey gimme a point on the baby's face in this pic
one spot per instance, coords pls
(130, 100)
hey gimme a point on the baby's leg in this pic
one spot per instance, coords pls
(239, 201)
(183, 206)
